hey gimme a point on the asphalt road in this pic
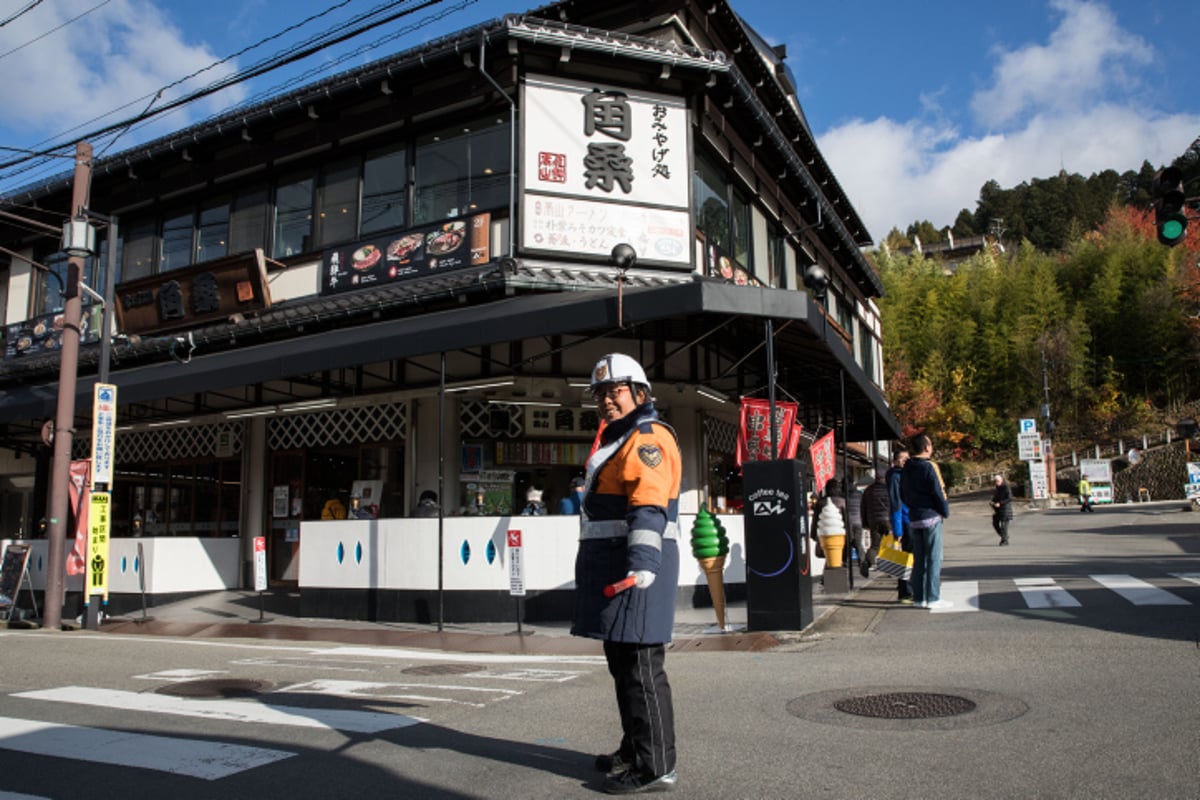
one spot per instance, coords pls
(1068, 668)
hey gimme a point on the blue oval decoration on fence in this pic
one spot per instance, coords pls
(341, 552)
(465, 551)
(124, 564)
(358, 553)
(137, 564)
(491, 552)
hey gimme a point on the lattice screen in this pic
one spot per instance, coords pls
(356, 425)
(476, 420)
(175, 443)
(722, 435)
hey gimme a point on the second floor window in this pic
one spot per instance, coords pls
(293, 216)
(461, 171)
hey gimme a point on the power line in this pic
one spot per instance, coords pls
(20, 13)
(287, 56)
(60, 27)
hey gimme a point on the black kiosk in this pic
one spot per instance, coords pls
(778, 576)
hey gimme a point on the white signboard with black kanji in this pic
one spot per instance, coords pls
(602, 165)
(1029, 446)
(1038, 480)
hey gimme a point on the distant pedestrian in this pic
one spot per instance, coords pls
(877, 520)
(574, 501)
(921, 489)
(899, 516)
(427, 504)
(1002, 512)
(1085, 494)
(534, 507)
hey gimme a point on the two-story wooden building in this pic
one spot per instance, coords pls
(397, 279)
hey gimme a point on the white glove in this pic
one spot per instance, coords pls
(643, 578)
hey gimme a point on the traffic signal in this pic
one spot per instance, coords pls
(1169, 216)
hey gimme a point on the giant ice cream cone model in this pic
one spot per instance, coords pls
(710, 545)
(831, 530)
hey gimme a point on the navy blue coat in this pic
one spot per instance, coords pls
(630, 522)
(922, 491)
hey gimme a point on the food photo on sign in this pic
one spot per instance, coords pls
(43, 333)
(398, 255)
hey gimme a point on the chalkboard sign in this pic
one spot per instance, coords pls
(16, 556)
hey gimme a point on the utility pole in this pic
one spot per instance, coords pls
(1049, 425)
(64, 420)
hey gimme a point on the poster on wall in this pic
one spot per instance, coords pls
(401, 255)
(487, 494)
(603, 165)
(43, 333)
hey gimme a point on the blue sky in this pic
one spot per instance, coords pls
(915, 106)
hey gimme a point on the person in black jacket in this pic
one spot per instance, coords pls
(877, 520)
(922, 491)
(1002, 512)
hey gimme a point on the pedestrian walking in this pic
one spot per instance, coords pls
(921, 490)
(877, 520)
(899, 516)
(629, 533)
(1002, 512)
(1085, 494)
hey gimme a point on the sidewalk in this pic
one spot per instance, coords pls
(273, 615)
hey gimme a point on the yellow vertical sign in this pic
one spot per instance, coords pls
(96, 578)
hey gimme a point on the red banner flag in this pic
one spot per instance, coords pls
(793, 442)
(754, 432)
(823, 460)
(77, 491)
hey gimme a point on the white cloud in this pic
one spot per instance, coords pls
(1087, 56)
(1053, 99)
(897, 173)
(100, 69)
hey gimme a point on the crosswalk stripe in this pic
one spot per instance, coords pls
(1190, 577)
(963, 594)
(228, 710)
(195, 758)
(1045, 593)
(1139, 592)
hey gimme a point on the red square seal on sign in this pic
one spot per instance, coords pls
(552, 167)
(514, 538)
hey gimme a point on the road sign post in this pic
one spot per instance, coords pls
(516, 571)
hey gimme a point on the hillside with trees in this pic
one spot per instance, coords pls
(1075, 291)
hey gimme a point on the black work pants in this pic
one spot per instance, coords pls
(1000, 524)
(644, 700)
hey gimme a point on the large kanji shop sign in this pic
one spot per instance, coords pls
(186, 298)
(604, 165)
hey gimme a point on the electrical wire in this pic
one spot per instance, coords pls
(52, 30)
(20, 13)
(288, 56)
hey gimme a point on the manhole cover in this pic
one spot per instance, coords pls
(444, 669)
(216, 687)
(905, 705)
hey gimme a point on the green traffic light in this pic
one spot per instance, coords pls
(1172, 229)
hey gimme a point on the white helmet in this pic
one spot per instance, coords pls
(618, 368)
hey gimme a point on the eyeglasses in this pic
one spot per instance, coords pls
(612, 391)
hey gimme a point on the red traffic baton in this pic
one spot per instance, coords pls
(614, 589)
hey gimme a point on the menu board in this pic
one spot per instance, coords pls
(43, 334)
(401, 255)
(16, 556)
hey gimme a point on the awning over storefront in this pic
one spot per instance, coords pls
(812, 360)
